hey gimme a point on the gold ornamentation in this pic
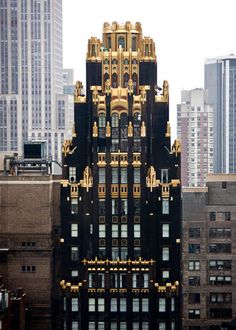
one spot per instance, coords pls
(165, 90)
(151, 180)
(130, 130)
(78, 89)
(87, 181)
(95, 129)
(143, 129)
(130, 86)
(168, 130)
(176, 148)
(108, 130)
(108, 86)
(66, 147)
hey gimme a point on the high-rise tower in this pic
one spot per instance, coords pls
(31, 82)
(120, 193)
(220, 83)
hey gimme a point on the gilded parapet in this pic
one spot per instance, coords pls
(94, 49)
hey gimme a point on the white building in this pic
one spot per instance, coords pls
(195, 130)
(31, 84)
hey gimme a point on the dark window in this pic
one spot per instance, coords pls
(194, 248)
(224, 185)
(194, 280)
(220, 313)
(213, 216)
(101, 207)
(136, 206)
(194, 298)
(134, 43)
(194, 232)
(121, 42)
(220, 280)
(219, 232)
(194, 313)
(220, 248)
(227, 216)
(220, 297)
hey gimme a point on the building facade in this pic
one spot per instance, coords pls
(120, 193)
(195, 130)
(29, 222)
(209, 253)
(31, 84)
(220, 83)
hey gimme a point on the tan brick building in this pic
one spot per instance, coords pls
(29, 222)
(209, 253)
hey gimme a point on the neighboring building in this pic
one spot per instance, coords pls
(29, 222)
(120, 193)
(12, 308)
(68, 82)
(31, 84)
(195, 130)
(209, 253)
(220, 83)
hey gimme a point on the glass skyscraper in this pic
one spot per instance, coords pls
(220, 81)
(31, 86)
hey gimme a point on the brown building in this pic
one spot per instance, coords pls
(29, 221)
(209, 253)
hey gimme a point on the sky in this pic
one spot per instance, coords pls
(185, 32)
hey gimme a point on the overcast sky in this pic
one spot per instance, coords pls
(185, 33)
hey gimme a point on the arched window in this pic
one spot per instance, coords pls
(114, 61)
(134, 43)
(106, 61)
(124, 132)
(109, 42)
(114, 80)
(114, 120)
(121, 42)
(126, 61)
(125, 79)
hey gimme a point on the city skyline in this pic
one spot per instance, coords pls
(190, 33)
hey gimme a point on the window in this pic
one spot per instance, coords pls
(92, 280)
(124, 230)
(121, 42)
(194, 280)
(74, 273)
(74, 325)
(74, 230)
(220, 248)
(123, 253)
(101, 207)
(114, 231)
(123, 280)
(162, 305)
(221, 297)
(227, 216)
(101, 305)
(224, 185)
(194, 313)
(172, 304)
(144, 280)
(102, 231)
(135, 326)
(136, 206)
(136, 175)
(113, 325)
(194, 232)
(74, 253)
(194, 248)
(91, 302)
(124, 206)
(135, 305)
(137, 233)
(101, 175)
(164, 175)
(114, 280)
(165, 253)
(101, 325)
(220, 280)
(114, 205)
(165, 274)
(165, 206)
(92, 325)
(194, 298)
(145, 326)
(134, 43)
(162, 325)
(135, 280)
(115, 253)
(213, 216)
(74, 205)
(221, 313)
(74, 305)
(123, 326)
(165, 230)
(145, 306)
(101, 279)
(113, 304)
(220, 232)
(123, 175)
(220, 264)
(194, 265)
(114, 174)
(72, 174)
(123, 305)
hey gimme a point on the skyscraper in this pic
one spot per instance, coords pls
(31, 74)
(195, 130)
(120, 193)
(220, 82)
